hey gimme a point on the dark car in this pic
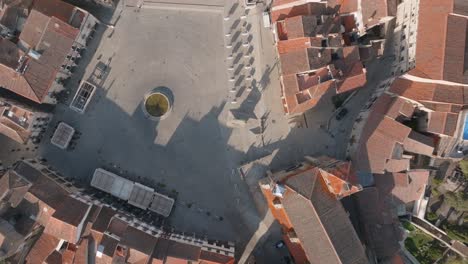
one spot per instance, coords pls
(342, 113)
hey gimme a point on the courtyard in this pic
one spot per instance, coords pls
(187, 152)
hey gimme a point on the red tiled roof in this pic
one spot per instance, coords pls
(380, 226)
(33, 28)
(285, 46)
(442, 123)
(300, 26)
(432, 29)
(379, 137)
(324, 229)
(43, 188)
(351, 83)
(56, 8)
(405, 187)
(139, 243)
(419, 143)
(52, 39)
(373, 11)
(437, 25)
(430, 92)
(294, 61)
(456, 50)
(43, 247)
(344, 6)
(401, 107)
(397, 165)
(318, 91)
(280, 12)
(13, 187)
(64, 223)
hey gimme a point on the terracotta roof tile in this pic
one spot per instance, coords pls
(405, 187)
(430, 55)
(442, 123)
(413, 90)
(48, 191)
(139, 241)
(33, 28)
(300, 26)
(55, 44)
(436, 123)
(373, 11)
(43, 247)
(397, 165)
(108, 244)
(461, 7)
(351, 83)
(419, 143)
(103, 219)
(13, 187)
(285, 46)
(56, 8)
(279, 12)
(294, 61)
(451, 124)
(378, 140)
(344, 6)
(380, 227)
(65, 223)
(323, 226)
(456, 49)
(117, 227)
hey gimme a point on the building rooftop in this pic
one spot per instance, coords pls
(436, 61)
(55, 8)
(380, 225)
(324, 229)
(15, 122)
(32, 75)
(385, 137)
(313, 56)
(403, 187)
(67, 224)
(13, 187)
(44, 188)
(309, 197)
(43, 247)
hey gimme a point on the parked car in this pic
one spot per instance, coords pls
(342, 113)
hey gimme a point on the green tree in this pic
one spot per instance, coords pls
(464, 167)
(458, 200)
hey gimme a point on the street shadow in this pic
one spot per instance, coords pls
(103, 12)
(193, 166)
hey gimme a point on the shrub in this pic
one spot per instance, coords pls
(432, 217)
(464, 167)
(408, 226)
(457, 200)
